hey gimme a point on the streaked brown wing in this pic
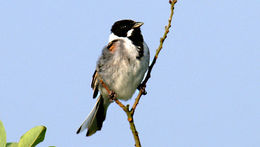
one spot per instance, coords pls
(112, 47)
(94, 84)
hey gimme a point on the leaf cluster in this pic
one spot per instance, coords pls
(30, 139)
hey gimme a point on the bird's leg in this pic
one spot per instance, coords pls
(112, 96)
(142, 87)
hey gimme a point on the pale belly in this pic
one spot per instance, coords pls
(125, 79)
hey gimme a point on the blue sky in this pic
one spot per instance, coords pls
(204, 90)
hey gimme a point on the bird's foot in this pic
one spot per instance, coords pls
(112, 96)
(142, 87)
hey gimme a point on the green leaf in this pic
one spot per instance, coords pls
(32, 137)
(12, 144)
(2, 135)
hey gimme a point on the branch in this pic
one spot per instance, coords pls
(130, 119)
(130, 113)
(148, 75)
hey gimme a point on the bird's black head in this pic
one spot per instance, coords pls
(128, 28)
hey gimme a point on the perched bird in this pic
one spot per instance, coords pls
(121, 66)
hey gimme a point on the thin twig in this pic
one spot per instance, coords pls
(127, 111)
(130, 113)
(136, 101)
(148, 75)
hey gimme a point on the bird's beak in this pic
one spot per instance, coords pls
(138, 24)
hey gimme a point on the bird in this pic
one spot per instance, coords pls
(121, 66)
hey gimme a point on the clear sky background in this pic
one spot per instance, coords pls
(204, 90)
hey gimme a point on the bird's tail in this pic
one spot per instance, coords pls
(96, 117)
